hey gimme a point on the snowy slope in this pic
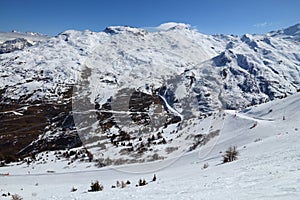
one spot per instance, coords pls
(267, 167)
(13, 41)
(31, 37)
(155, 57)
(162, 84)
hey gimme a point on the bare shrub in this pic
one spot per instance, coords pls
(118, 184)
(205, 166)
(230, 154)
(123, 184)
(73, 189)
(96, 186)
(154, 178)
(171, 149)
(257, 140)
(16, 197)
(142, 182)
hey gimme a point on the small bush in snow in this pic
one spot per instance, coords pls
(257, 140)
(73, 189)
(16, 197)
(95, 187)
(205, 166)
(118, 184)
(154, 178)
(123, 184)
(90, 156)
(230, 154)
(141, 183)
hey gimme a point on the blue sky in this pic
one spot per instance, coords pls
(208, 16)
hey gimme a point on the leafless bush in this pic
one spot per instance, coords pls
(16, 197)
(96, 186)
(154, 178)
(230, 154)
(123, 184)
(142, 182)
(73, 189)
(205, 166)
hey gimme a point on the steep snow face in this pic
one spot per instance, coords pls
(253, 71)
(127, 81)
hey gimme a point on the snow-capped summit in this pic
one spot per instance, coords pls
(293, 32)
(124, 29)
(173, 25)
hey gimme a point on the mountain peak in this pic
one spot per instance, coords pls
(172, 26)
(292, 30)
(121, 29)
(163, 27)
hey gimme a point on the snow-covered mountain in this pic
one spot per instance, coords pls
(267, 166)
(292, 32)
(13, 41)
(136, 96)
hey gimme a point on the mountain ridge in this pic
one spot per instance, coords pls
(155, 76)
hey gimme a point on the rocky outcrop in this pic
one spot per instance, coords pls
(13, 45)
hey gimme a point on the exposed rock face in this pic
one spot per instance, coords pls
(13, 45)
(30, 127)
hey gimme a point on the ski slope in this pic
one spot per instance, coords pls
(267, 166)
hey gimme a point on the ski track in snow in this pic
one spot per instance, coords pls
(266, 169)
(170, 108)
